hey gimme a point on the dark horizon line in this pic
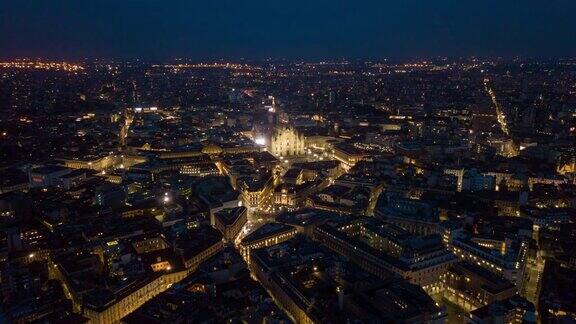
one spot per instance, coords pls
(503, 58)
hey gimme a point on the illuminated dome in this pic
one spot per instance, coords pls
(211, 148)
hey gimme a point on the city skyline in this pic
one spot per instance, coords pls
(269, 162)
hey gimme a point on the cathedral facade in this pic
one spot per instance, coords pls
(286, 141)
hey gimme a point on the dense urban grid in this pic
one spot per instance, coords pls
(431, 191)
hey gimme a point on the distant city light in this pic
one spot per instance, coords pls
(490, 164)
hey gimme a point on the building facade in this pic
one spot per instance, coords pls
(286, 141)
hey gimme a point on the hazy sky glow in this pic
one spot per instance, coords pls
(312, 29)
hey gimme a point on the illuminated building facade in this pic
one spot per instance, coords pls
(507, 259)
(96, 163)
(257, 192)
(286, 141)
(471, 286)
(115, 309)
(347, 154)
(230, 221)
(267, 235)
(418, 260)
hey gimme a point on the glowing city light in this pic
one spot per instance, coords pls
(260, 141)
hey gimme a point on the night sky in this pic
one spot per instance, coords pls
(297, 29)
